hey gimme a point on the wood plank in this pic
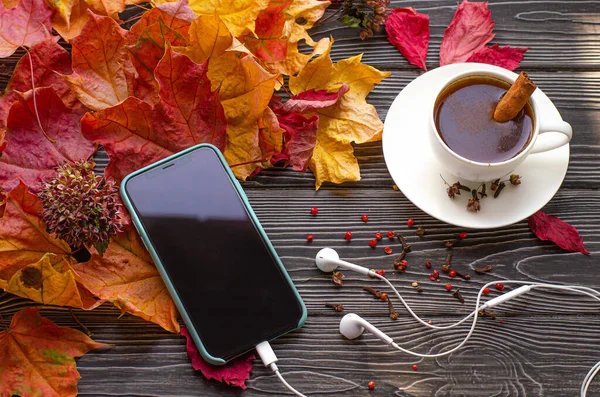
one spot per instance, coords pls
(527, 354)
(521, 356)
(560, 34)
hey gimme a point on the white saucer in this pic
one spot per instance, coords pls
(410, 161)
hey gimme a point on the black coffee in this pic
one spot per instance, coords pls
(464, 119)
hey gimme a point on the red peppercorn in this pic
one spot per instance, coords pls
(384, 296)
(427, 264)
(448, 287)
(378, 236)
(371, 385)
(486, 291)
(348, 236)
(388, 250)
(365, 218)
(314, 210)
(499, 286)
(310, 237)
(410, 222)
(381, 272)
(463, 235)
(391, 235)
(415, 367)
(432, 277)
(452, 273)
(373, 243)
(436, 273)
(404, 263)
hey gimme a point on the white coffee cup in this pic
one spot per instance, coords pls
(547, 135)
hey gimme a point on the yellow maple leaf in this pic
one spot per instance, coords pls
(50, 281)
(245, 91)
(72, 15)
(350, 120)
(209, 37)
(238, 15)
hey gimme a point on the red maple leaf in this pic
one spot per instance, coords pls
(234, 373)
(470, 30)
(549, 227)
(135, 134)
(29, 154)
(408, 31)
(505, 57)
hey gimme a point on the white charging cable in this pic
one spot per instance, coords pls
(269, 359)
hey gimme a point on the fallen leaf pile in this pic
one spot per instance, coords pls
(464, 40)
(180, 75)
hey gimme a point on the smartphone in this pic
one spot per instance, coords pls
(224, 275)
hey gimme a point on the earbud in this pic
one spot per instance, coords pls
(328, 260)
(352, 326)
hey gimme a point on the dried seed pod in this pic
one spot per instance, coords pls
(80, 207)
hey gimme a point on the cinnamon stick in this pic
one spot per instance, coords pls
(515, 99)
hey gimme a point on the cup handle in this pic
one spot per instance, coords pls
(552, 135)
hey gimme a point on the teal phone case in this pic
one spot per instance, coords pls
(140, 228)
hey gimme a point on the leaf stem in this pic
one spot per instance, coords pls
(37, 115)
(86, 329)
(249, 162)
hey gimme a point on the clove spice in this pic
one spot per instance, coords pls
(482, 270)
(335, 306)
(374, 292)
(405, 246)
(458, 296)
(447, 263)
(393, 314)
(337, 277)
(499, 189)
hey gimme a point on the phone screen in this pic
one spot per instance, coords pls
(229, 282)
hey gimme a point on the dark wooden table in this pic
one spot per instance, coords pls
(546, 343)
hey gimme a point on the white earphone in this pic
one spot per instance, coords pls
(352, 325)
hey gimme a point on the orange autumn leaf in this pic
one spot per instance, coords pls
(351, 119)
(269, 40)
(208, 37)
(125, 275)
(23, 236)
(146, 54)
(237, 15)
(176, 15)
(245, 91)
(101, 63)
(38, 357)
(24, 25)
(270, 135)
(301, 15)
(110, 8)
(135, 134)
(34, 264)
(70, 18)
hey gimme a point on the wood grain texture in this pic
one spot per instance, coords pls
(547, 341)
